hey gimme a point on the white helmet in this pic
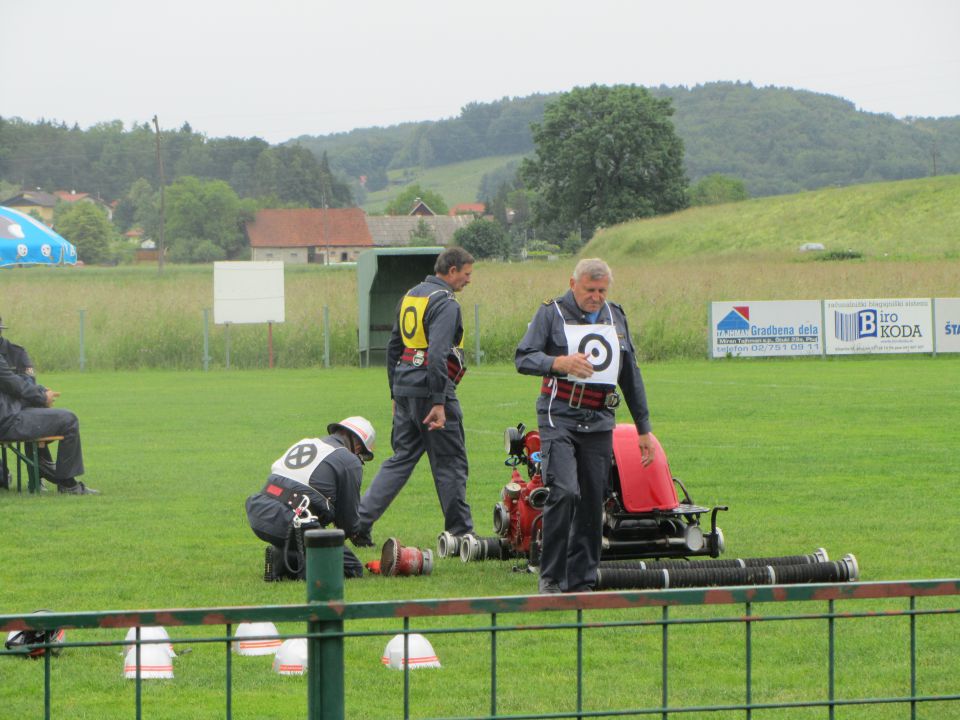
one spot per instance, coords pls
(363, 430)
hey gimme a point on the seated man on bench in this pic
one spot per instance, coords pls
(27, 413)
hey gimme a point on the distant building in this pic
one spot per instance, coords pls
(146, 251)
(339, 235)
(73, 196)
(422, 209)
(477, 209)
(396, 230)
(33, 202)
(309, 235)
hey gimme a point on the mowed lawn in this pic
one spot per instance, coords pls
(856, 455)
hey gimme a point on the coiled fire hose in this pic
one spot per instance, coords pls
(681, 577)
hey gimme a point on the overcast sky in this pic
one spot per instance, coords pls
(278, 69)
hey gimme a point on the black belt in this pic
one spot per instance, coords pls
(455, 369)
(581, 395)
(292, 497)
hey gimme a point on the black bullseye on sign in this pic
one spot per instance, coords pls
(598, 351)
(300, 456)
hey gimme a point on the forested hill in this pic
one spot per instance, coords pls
(781, 141)
(777, 140)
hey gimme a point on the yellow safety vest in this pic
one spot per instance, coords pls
(412, 310)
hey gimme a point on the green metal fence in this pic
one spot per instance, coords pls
(326, 618)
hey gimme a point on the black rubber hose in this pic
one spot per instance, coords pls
(820, 572)
(725, 563)
(683, 577)
(617, 579)
(474, 548)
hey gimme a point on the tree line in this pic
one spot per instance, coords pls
(107, 159)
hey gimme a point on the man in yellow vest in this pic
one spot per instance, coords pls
(424, 364)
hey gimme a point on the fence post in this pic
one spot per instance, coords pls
(326, 336)
(83, 356)
(476, 333)
(206, 339)
(226, 334)
(325, 655)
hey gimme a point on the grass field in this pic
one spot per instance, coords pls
(854, 455)
(910, 219)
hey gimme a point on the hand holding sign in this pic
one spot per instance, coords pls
(597, 346)
(577, 365)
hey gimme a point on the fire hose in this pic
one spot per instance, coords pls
(474, 547)
(820, 555)
(609, 578)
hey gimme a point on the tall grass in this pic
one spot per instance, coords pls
(136, 318)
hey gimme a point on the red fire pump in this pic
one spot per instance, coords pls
(644, 516)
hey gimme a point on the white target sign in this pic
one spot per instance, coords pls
(602, 348)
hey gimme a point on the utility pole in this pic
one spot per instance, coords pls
(161, 247)
(325, 226)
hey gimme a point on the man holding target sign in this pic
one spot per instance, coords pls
(580, 344)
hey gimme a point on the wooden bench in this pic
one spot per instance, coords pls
(28, 454)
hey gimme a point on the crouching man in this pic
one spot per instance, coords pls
(315, 483)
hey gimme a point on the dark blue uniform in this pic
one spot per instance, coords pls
(576, 424)
(17, 357)
(333, 492)
(24, 415)
(424, 359)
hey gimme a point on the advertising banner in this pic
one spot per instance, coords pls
(765, 328)
(947, 324)
(878, 326)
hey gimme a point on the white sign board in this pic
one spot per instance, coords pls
(946, 312)
(878, 326)
(765, 328)
(248, 292)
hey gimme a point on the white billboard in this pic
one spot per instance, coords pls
(946, 312)
(878, 326)
(765, 328)
(248, 292)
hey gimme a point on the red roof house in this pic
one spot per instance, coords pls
(477, 209)
(309, 235)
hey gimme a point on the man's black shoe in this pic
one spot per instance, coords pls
(76, 489)
(270, 567)
(363, 539)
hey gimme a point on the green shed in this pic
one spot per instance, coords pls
(383, 276)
